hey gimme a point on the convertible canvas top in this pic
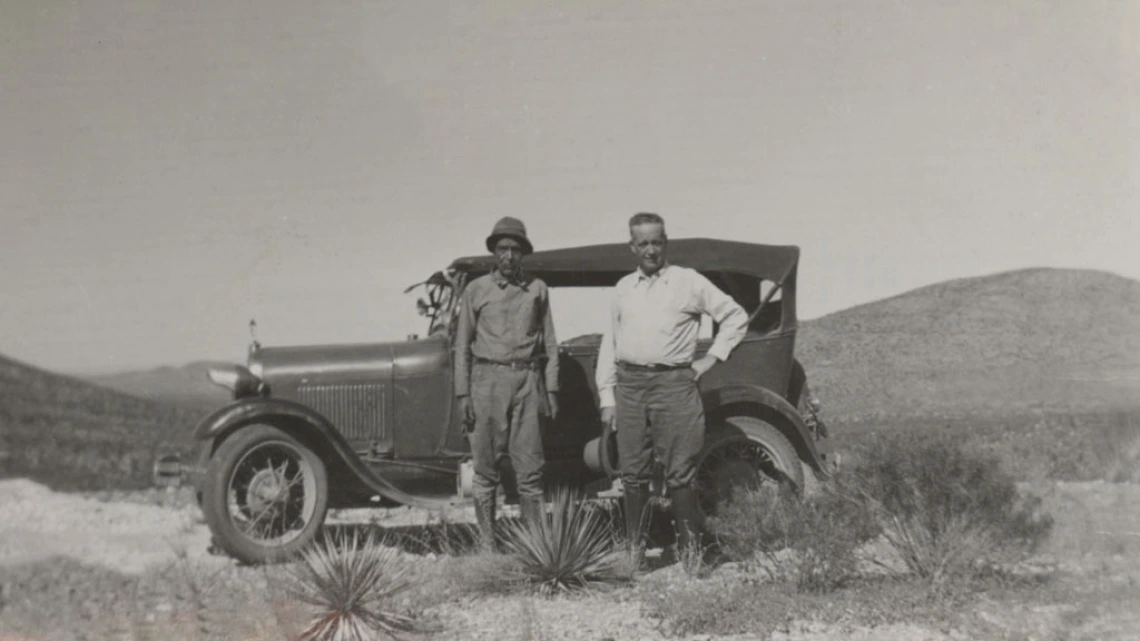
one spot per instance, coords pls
(604, 265)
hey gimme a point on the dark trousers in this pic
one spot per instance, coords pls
(658, 413)
(506, 403)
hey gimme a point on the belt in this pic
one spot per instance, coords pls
(521, 364)
(653, 367)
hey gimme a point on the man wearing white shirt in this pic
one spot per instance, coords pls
(647, 374)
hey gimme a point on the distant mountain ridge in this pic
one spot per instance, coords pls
(186, 385)
(1043, 337)
(72, 434)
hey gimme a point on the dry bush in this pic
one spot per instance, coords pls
(812, 542)
(694, 560)
(948, 511)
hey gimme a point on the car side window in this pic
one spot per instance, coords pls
(770, 316)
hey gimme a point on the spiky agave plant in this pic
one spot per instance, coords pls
(570, 548)
(350, 583)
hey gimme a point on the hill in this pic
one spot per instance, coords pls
(186, 385)
(1045, 339)
(1048, 339)
(70, 434)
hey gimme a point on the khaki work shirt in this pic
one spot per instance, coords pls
(504, 321)
(655, 320)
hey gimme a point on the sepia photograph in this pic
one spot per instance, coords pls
(474, 320)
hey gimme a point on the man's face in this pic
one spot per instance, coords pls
(647, 241)
(509, 253)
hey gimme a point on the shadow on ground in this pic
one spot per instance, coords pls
(457, 537)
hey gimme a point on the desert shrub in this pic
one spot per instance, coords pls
(351, 584)
(812, 541)
(571, 547)
(947, 510)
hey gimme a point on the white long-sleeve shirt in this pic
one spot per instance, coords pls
(657, 319)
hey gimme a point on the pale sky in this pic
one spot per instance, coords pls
(169, 170)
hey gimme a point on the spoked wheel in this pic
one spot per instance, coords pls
(266, 495)
(745, 453)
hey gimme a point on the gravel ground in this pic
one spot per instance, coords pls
(128, 537)
(98, 566)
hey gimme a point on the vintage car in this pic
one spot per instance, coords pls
(365, 425)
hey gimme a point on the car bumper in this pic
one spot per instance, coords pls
(171, 471)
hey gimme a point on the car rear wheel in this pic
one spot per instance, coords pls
(265, 495)
(745, 453)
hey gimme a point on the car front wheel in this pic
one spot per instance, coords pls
(265, 495)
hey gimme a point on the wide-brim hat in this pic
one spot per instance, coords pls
(508, 227)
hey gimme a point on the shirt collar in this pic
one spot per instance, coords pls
(661, 274)
(503, 281)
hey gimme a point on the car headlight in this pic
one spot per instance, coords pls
(255, 367)
(236, 378)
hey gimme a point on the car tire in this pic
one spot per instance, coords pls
(257, 460)
(745, 451)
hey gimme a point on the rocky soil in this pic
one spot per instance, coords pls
(134, 566)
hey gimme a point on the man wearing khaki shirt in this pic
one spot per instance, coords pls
(506, 374)
(647, 376)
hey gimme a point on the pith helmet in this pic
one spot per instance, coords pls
(510, 228)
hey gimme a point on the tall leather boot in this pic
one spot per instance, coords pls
(688, 517)
(485, 518)
(635, 500)
(531, 509)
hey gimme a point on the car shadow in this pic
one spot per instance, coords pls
(454, 538)
(418, 539)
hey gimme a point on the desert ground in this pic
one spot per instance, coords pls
(134, 565)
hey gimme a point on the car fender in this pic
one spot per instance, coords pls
(306, 422)
(772, 408)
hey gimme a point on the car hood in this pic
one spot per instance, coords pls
(322, 363)
(314, 364)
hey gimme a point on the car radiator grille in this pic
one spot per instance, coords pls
(356, 410)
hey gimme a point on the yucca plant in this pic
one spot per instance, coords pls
(351, 584)
(570, 548)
